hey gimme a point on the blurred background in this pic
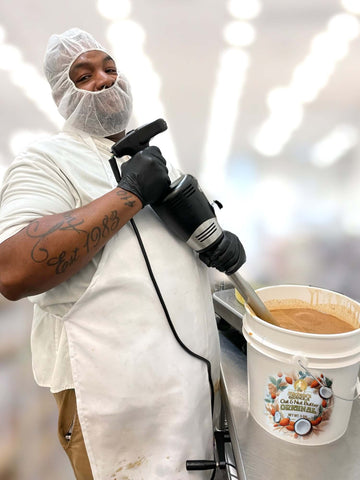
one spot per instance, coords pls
(262, 102)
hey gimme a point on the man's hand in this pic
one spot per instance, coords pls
(145, 175)
(227, 256)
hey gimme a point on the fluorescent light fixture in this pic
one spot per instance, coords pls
(239, 34)
(308, 79)
(271, 137)
(138, 68)
(127, 39)
(224, 108)
(329, 47)
(10, 57)
(286, 114)
(114, 9)
(32, 84)
(344, 27)
(126, 36)
(334, 146)
(230, 80)
(352, 6)
(244, 9)
(283, 101)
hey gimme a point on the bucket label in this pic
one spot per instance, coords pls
(298, 405)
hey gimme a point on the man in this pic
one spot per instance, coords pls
(135, 368)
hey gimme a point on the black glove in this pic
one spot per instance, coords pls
(145, 175)
(227, 256)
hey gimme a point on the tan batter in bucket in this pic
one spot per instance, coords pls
(304, 317)
(310, 321)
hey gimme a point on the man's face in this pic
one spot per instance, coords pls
(93, 71)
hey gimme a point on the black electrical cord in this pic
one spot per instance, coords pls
(117, 175)
(167, 315)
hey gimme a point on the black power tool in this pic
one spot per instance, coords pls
(185, 210)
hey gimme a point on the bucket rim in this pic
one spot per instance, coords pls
(267, 348)
(296, 333)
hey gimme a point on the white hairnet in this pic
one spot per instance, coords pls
(101, 113)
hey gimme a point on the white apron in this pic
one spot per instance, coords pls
(144, 403)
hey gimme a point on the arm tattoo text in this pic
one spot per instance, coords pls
(87, 239)
(125, 196)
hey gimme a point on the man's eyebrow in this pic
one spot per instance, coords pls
(107, 58)
(86, 64)
(77, 66)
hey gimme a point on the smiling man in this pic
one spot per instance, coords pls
(93, 71)
(133, 403)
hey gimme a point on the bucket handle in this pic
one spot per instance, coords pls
(301, 360)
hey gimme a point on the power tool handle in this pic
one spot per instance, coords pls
(138, 139)
(133, 142)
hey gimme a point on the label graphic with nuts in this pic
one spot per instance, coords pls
(298, 405)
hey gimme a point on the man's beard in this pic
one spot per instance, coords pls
(101, 113)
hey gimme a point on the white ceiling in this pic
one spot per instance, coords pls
(184, 39)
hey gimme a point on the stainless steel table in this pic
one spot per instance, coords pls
(258, 454)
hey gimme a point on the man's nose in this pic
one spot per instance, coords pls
(103, 81)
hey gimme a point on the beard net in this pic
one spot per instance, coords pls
(101, 113)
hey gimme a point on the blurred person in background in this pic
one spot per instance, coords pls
(137, 386)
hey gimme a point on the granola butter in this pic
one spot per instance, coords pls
(310, 321)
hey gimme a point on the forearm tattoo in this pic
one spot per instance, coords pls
(88, 240)
(125, 195)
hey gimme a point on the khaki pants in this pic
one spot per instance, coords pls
(70, 434)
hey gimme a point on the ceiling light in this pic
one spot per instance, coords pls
(271, 137)
(265, 144)
(352, 6)
(286, 112)
(224, 110)
(114, 9)
(230, 80)
(244, 9)
(10, 56)
(335, 145)
(239, 34)
(327, 46)
(306, 87)
(280, 98)
(127, 39)
(344, 26)
(29, 80)
(308, 79)
(126, 35)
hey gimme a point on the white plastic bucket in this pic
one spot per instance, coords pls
(284, 365)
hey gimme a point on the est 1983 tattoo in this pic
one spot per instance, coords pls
(87, 239)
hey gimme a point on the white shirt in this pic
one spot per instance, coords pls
(55, 175)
